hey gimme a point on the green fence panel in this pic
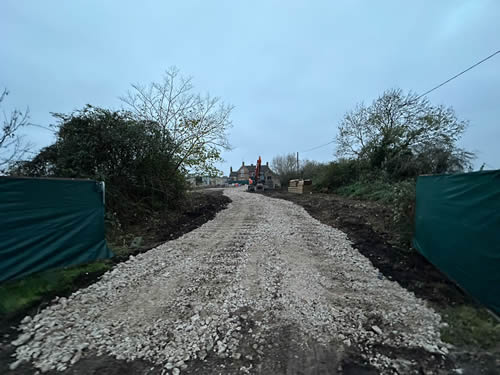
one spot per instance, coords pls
(457, 228)
(49, 223)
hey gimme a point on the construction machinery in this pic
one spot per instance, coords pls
(259, 180)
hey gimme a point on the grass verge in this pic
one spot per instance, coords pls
(379, 191)
(19, 295)
(472, 327)
(399, 197)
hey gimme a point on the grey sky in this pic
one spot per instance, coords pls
(290, 68)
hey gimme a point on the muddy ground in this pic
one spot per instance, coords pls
(369, 225)
(200, 207)
(263, 288)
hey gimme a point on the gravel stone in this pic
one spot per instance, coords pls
(262, 261)
(236, 355)
(22, 339)
(377, 330)
(15, 365)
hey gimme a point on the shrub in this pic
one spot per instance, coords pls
(405, 135)
(131, 156)
(403, 209)
(341, 173)
(399, 196)
(314, 171)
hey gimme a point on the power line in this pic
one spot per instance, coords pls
(458, 75)
(428, 91)
(320, 146)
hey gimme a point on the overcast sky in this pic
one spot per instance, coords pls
(290, 68)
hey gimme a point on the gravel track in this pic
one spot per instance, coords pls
(262, 288)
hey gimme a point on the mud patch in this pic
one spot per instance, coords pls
(286, 353)
(95, 365)
(291, 354)
(370, 228)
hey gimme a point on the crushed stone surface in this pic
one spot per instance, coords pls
(227, 290)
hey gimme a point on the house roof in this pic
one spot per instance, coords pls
(251, 169)
(265, 168)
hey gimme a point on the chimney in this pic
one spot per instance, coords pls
(242, 163)
(231, 169)
(267, 164)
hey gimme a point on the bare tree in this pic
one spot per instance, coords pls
(195, 125)
(353, 132)
(12, 144)
(286, 167)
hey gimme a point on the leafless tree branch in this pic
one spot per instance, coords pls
(12, 144)
(194, 127)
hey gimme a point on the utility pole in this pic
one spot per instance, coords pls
(297, 163)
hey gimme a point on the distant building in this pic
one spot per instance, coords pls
(248, 171)
(197, 180)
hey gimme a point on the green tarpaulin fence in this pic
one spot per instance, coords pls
(49, 223)
(457, 228)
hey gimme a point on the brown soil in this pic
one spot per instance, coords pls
(369, 227)
(199, 208)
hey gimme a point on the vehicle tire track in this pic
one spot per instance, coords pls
(262, 288)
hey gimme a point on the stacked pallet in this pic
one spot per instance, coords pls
(300, 186)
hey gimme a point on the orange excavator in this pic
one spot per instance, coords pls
(257, 184)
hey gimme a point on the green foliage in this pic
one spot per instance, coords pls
(314, 171)
(399, 196)
(20, 294)
(404, 135)
(469, 326)
(403, 209)
(382, 148)
(133, 157)
(376, 190)
(341, 173)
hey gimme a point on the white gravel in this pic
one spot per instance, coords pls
(262, 260)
